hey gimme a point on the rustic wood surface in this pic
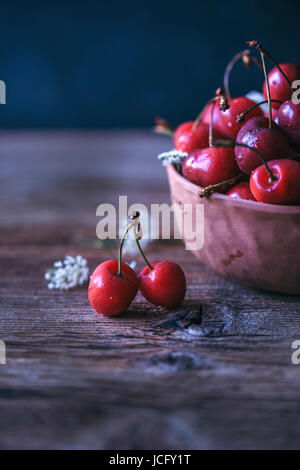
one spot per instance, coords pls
(216, 374)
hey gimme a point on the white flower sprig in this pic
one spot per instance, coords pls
(173, 156)
(69, 273)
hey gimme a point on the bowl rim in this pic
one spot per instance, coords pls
(259, 206)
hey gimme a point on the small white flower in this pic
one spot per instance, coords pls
(80, 260)
(69, 273)
(173, 156)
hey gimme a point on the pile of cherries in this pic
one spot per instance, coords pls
(234, 148)
(113, 285)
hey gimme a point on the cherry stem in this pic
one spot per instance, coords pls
(262, 50)
(231, 143)
(247, 59)
(163, 127)
(163, 131)
(209, 189)
(223, 105)
(242, 116)
(121, 248)
(262, 54)
(228, 70)
(143, 254)
(199, 117)
(210, 135)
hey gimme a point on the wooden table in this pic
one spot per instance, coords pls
(215, 374)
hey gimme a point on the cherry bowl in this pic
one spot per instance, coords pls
(249, 242)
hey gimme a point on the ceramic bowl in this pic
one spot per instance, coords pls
(249, 242)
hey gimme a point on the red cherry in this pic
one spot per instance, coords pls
(279, 87)
(226, 121)
(241, 191)
(285, 189)
(186, 138)
(165, 285)
(271, 143)
(289, 120)
(210, 166)
(110, 293)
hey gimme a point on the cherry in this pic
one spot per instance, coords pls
(279, 81)
(289, 120)
(272, 143)
(113, 285)
(162, 126)
(210, 166)
(283, 188)
(218, 114)
(227, 112)
(109, 293)
(193, 135)
(280, 89)
(227, 121)
(164, 284)
(279, 84)
(190, 136)
(241, 191)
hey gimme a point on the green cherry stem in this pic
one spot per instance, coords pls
(121, 248)
(143, 254)
(268, 87)
(242, 116)
(210, 135)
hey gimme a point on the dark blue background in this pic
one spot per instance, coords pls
(117, 64)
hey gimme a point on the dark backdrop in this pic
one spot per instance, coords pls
(117, 63)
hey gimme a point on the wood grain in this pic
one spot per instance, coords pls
(215, 374)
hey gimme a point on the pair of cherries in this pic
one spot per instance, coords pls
(114, 285)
